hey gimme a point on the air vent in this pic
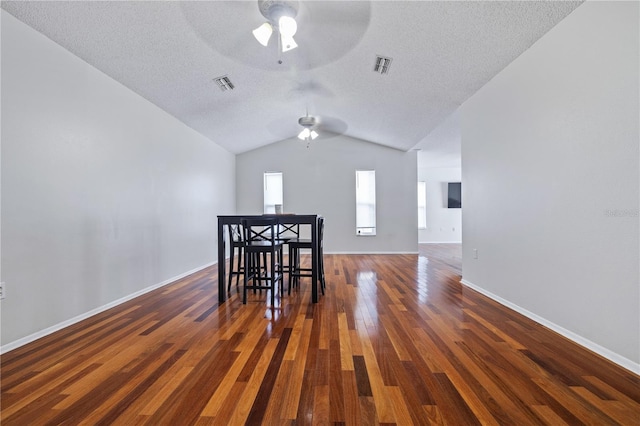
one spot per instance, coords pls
(224, 83)
(382, 65)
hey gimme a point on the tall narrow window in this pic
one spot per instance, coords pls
(422, 205)
(273, 192)
(365, 202)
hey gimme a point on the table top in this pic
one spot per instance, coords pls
(268, 215)
(282, 218)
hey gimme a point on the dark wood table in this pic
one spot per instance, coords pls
(283, 219)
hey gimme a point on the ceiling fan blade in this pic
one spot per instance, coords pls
(311, 87)
(330, 127)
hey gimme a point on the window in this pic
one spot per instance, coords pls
(365, 202)
(422, 205)
(273, 192)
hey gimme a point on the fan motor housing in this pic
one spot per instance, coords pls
(307, 121)
(274, 9)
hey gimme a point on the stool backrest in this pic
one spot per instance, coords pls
(236, 233)
(259, 229)
(289, 230)
(320, 231)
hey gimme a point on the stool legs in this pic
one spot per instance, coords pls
(261, 269)
(293, 267)
(231, 254)
(239, 267)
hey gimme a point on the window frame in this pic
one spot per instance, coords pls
(366, 203)
(422, 208)
(271, 208)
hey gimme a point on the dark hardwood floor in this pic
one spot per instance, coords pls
(396, 340)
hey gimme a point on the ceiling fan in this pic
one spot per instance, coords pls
(314, 127)
(280, 16)
(319, 128)
(226, 27)
(308, 132)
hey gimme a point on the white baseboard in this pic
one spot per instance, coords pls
(440, 242)
(370, 252)
(600, 350)
(42, 333)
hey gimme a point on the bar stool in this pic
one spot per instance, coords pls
(260, 243)
(295, 271)
(236, 241)
(321, 253)
(286, 233)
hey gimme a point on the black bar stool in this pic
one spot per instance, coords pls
(295, 270)
(236, 241)
(286, 233)
(261, 245)
(321, 253)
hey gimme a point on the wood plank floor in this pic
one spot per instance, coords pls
(396, 340)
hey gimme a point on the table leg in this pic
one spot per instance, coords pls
(222, 295)
(314, 262)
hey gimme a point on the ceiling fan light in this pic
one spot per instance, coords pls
(313, 134)
(287, 26)
(263, 33)
(288, 43)
(304, 134)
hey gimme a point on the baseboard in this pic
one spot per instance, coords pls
(370, 252)
(439, 242)
(42, 333)
(592, 346)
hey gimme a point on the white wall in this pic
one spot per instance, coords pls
(444, 225)
(551, 181)
(321, 179)
(103, 194)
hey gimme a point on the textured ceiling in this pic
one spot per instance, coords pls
(169, 52)
(443, 146)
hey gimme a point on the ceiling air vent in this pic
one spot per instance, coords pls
(224, 83)
(382, 65)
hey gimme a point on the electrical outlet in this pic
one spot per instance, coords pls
(475, 253)
(3, 290)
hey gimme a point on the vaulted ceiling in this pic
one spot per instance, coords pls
(170, 52)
